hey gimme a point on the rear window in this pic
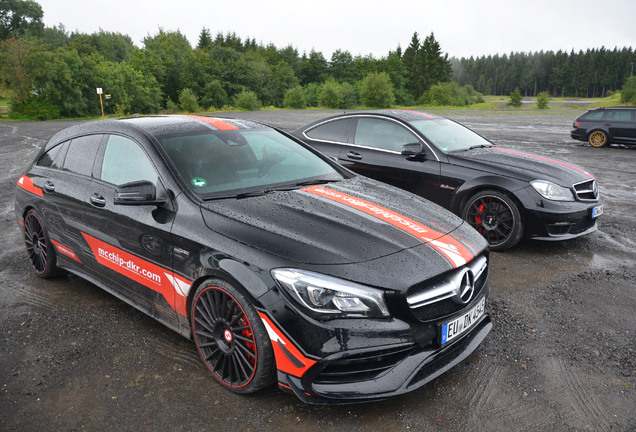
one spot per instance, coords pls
(593, 115)
(335, 131)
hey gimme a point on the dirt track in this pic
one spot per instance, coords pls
(562, 355)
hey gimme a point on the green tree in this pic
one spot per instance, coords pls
(214, 95)
(313, 68)
(247, 100)
(188, 101)
(377, 91)
(628, 92)
(19, 17)
(283, 79)
(295, 98)
(515, 98)
(205, 39)
(543, 99)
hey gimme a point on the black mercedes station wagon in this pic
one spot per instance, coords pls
(603, 126)
(281, 265)
(504, 194)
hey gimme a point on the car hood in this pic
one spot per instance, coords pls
(350, 221)
(521, 165)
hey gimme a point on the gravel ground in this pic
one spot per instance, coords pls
(561, 355)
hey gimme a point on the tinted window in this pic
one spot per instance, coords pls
(242, 160)
(333, 131)
(594, 115)
(81, 154)
(382, 134)
(54, 158)
(619, 115)
(125, 162)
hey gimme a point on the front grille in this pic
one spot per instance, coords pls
(440, 292)
(361, 367)
(587, 190)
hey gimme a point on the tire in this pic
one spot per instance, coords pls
(496, 217)
(40, 251)
(231, 338)
(597, 139)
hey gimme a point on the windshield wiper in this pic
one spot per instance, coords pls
(315, 182)
(478, 146)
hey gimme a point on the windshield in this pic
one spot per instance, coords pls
(225, 163)
(448, 135)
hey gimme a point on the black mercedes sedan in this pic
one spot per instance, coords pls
(281, 265)
(504, 194)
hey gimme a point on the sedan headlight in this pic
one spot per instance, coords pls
(552, 191)
(331, 296)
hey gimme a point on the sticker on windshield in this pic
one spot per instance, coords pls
(199, 182)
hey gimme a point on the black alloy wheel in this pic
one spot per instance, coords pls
(496, 217)
(40, 251)
(231, 338)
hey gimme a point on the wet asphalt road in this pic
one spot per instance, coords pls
(561, 355)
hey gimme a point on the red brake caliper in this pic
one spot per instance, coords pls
(248, 334)
(478, 218)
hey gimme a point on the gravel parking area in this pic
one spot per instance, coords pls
(561, 356)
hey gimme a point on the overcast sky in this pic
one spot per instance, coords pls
(462, 27)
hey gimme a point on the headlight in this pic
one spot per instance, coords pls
(331, 296)
(552, 191)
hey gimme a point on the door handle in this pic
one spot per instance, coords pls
(353, 155)
(97, 200)
(49, 187)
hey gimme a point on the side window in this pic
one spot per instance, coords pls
(81, 154)
(336, 131)
(54, 158)
(382, 135)
(125, 162)
(594, 115)
(619, 115)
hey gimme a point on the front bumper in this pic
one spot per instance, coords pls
(556, 220)
(416, 368)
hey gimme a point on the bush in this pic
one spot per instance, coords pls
(295, 98)
(515, 98)
(247, 100)
(334, 95)
(377, 90)
(542, 100)
(35, 109)
(214, 95)
(188, 101)
(628, 93)
(450, 94)
(312, 93)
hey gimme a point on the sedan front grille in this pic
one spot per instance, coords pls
(587, 190)
(438, 297)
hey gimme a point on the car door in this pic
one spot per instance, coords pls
(622, 125)
(67, 170)
(376, 152)
(131, 244)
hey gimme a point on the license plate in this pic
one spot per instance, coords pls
(597, 211)
(456, 327)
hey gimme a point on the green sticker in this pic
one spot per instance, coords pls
(199, 182)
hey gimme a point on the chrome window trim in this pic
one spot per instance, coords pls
(417, 135)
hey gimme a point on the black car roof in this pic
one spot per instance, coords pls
(156, 126)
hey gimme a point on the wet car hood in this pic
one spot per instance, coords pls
(521, 165)
(328, 224)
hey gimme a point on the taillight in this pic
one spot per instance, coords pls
(576, 124)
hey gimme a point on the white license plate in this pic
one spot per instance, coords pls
(597, 211)
(456, 327)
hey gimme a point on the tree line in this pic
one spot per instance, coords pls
(592, 73)
(48, 72)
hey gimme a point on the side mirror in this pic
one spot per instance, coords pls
(138, 193)
(413, 151)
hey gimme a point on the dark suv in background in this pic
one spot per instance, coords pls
(604, 126)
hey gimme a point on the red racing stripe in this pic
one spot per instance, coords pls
(449, 247)
(417, 112)
(544, 159)
(217, 123)
(173, 288)
(289, 359)
(65, 250)
(26, 183)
